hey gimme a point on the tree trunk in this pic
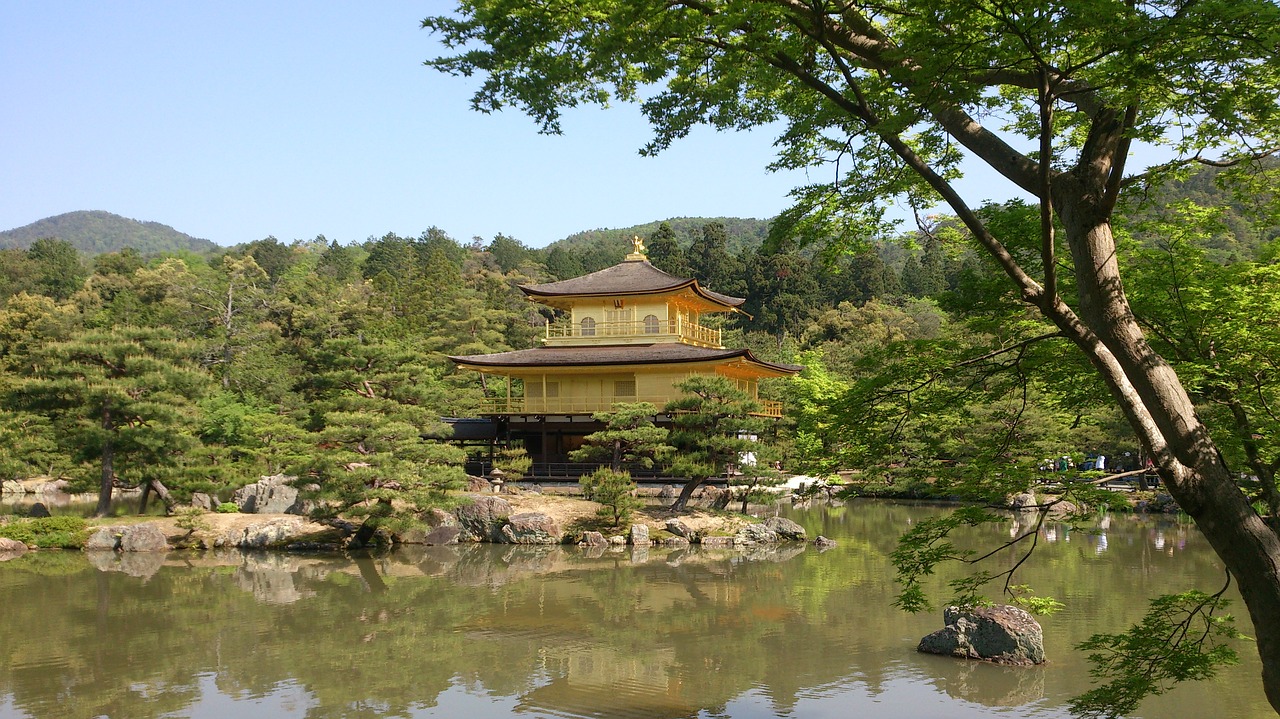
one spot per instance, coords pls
(370, 525)
(163, 493)
(142, 501)
(686, 493)
(1164, 418)
(107, 480)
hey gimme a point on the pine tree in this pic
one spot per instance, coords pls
(121, 398)
(629, 438)
(712, 422)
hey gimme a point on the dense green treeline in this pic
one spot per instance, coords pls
(203, 372)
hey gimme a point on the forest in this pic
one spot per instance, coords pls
(204, 372)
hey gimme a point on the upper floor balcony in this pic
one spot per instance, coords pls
(589, 405)
(646, 331)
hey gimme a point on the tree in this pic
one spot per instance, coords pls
(60, 272)
(374, 403)
(665, 252)
(122, 398)
(614, 491)
(896, 94)
(712, 424)
(629, 438)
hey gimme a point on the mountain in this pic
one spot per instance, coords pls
(95, 232)
(743, 233)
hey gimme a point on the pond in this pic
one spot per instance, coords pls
(498, 631)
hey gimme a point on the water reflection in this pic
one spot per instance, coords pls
(489, 631)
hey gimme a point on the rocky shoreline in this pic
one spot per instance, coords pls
(524, 518)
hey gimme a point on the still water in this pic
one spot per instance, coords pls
(492, 631)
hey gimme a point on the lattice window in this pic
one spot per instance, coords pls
(588, 327)
(651, 326)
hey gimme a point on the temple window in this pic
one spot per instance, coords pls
(588, 327)
(651, 324)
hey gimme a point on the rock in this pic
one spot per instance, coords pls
(530, 528)
(269, 495)
(437, 517)
(1062, 510)
(640, 535)
(593, 539)
(717, 498)
(442, 535)
(717, 542)
(756, 534)
(272, 533)
(477, 484)
(37, 510)
(673, 541)
(680, 529)
(1001, 634)
(482, 519)
(1023, 501)
(143, 538)
(413, 535)
(57, 486)
(618, 540)
(104, 539)
(668, 491)
(822, 542)
(12, 486)
(786, 529)
(128, 538)
(203, 500)
(10, 548)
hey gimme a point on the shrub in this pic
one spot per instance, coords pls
(227, 508)
(65, 532)
(192, 519)
(615, 491)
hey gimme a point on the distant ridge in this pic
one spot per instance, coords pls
(96, 232)
(744, 233)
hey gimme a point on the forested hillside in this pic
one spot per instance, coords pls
(94, 232)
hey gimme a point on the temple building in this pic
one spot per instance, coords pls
(631, 332)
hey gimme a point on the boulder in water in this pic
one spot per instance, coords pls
(1002, 634)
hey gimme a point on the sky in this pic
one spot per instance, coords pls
(236, 120)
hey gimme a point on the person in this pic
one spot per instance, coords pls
(1100, 464)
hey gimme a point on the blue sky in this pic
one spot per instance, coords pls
(237, 120)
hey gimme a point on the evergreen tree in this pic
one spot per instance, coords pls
(563, 264)
(121, 397)
(711, 424)
(59, 272)
(665, 253)
(629, 438)
(272, 255)
(375, 403)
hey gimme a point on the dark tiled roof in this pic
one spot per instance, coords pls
(664, 353)
(627, 278)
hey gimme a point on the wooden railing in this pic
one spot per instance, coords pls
(587, 405)
(690, 331)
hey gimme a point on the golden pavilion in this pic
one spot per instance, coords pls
(630, 333)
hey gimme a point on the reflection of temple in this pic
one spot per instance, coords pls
(592, 681)
(631, 332)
